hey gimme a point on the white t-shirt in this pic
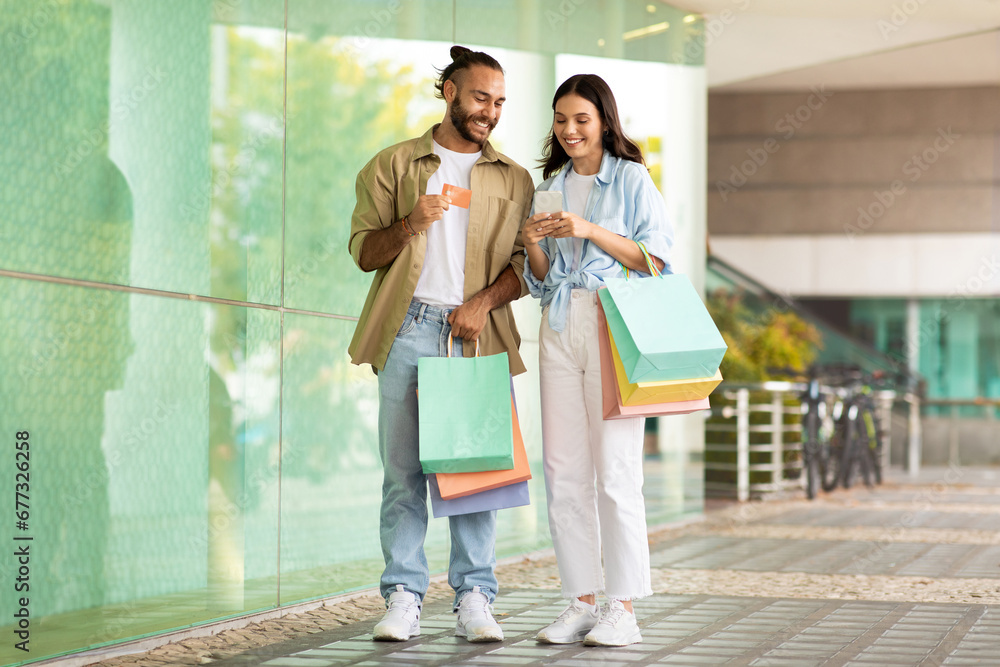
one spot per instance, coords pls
(577, 191)
(442, 279)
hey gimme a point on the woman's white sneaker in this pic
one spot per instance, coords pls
(617, 627)
(402, 620)
(572, 625)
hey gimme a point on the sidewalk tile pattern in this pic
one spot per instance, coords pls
(678, 630)
(748, 627)
(822, 556)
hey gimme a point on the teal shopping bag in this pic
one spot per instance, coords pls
(464, 413)
(661, 328)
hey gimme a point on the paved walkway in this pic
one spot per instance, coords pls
(906, 574)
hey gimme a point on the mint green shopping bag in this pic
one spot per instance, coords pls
(661, 327)
(464, 413)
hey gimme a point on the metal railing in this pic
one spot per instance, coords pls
(779, 458)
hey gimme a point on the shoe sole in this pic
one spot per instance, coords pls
(480, 639)
(392, 638)
(546, 640)
(635, 639)
(396, 638)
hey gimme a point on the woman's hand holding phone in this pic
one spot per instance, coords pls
(558, 225)
(565, 225)
(537, 227)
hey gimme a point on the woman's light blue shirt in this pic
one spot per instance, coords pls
(624, 201)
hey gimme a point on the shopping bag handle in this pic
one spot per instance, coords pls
(653, 271)
(451, 338)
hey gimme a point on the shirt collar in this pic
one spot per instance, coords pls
(425, 147)
(609, 165)
(606, 174)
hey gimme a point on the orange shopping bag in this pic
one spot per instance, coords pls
(460, 484)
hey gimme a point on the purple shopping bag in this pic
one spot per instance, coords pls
(512, 495)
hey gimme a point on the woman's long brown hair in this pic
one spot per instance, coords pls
(596, 91)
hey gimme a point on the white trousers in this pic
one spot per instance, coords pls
(593, 467)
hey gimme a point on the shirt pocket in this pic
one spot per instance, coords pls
(502, 222)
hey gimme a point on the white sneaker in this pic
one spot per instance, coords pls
(617, 627)
(572, 625)
(402, 620)
(475, 618)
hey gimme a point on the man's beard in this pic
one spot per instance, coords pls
(461, 119)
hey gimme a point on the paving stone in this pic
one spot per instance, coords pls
(528, 651)
(698, 624)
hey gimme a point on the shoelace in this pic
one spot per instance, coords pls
(611, 617)
(401, 603)
(477, 606)
(571, 611)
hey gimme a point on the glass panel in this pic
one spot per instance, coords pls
(331, 474)
(630, 29)
(958, 343)
(348, 98)
(382, 93)
(960, 353)
(152, 484)
(148, 147)
(880, 323)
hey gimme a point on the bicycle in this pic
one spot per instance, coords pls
(815, 447)
(871, 435)
(857, 443)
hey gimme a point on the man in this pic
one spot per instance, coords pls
(444, 268)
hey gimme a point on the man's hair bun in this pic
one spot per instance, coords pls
(459, 51)
(462, 58)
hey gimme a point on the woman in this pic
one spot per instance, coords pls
(593, 467)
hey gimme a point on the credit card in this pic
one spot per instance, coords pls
(459, 196)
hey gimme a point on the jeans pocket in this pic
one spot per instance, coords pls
(409, 323)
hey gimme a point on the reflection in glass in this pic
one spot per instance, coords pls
(153, 481)
(333, 130)
(148, 147)
(67, 207)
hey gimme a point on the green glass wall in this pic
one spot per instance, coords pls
(958, 343)
(177, 297)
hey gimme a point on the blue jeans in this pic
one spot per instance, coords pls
(403, 518)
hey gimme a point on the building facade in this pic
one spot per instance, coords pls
(880, 210)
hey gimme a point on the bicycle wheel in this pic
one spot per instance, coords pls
(849, 456)
(863, 454)
(877, 460)
(810, 455)
(834, 456)
(875, 443)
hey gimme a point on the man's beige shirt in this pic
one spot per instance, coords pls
(387, 189)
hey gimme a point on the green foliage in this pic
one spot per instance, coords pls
(761, 340)
(283, 172)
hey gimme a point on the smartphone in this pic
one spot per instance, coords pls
(548, 201)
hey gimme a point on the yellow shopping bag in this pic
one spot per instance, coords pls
(649, 393)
